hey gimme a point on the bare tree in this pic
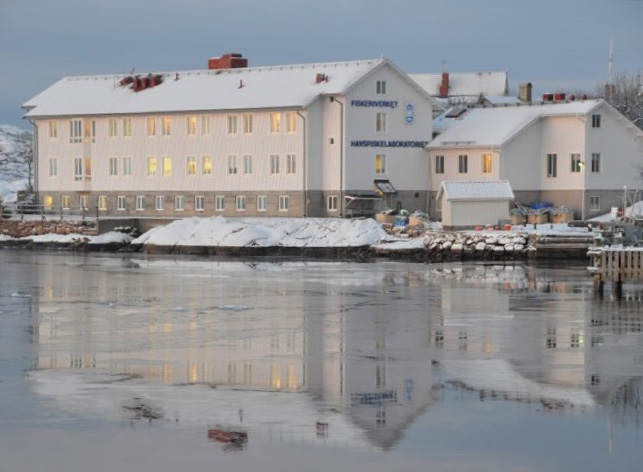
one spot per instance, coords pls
(626, 95)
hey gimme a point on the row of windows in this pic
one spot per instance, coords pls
(240, 202)
(85, 130)
(576, 164)
(163, 166)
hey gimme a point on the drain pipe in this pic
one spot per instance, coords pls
(304, 169)
(341, 156)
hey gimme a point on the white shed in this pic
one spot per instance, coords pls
(474, 203)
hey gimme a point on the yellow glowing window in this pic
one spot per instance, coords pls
(275, 122)
(191, 166)
(207, 165)
(291, 122)
(191, 123)
(49, 201)
(151, 126)
(152, 166)
(167, 126)
(486, 163)
(167, 166)
(380, 164)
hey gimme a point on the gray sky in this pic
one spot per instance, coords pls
(555, 44)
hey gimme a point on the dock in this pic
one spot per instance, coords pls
(615, 264)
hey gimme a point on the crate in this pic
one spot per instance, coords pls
(562, 217)
(518, 220)
(385, 218)
(537, 218)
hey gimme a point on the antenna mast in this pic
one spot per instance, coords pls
(610, 69)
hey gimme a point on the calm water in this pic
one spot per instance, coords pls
(111, 362)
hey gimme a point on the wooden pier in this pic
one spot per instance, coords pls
(615, 264)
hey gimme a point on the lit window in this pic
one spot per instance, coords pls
(380, 122)
(274, 164)
(152, 166)
(127, 166)
(53, 130)
(275, 122)
(205, 125)
(219, 203)
(179, 203)
(113, 166)
(102, 202)
(247, 124)
(83, 202)
(596, 121)
(596, 162)
(199, 203)
(65, 202)
(191, 125)
(75, 131)
(166, 130)
(207, 165)
(150, 124)
(232, 164)
(463, 164)
(291, 164)
(552, 165)
(90, 131)
(594, 203)
(49, 202)
(261, 203)
(159, 202)
(167, 166)
(87, 164)
(112, 128)
(291, 122)
(486, 163)
(380, 164)
(127, 127)
(284, 202)
(190, 165)
(240, 202)
(439, 164)
(331, 203)
(140, 203)
(575, 163)
(53, 167)
(247, 164)
(380, 87)
(232, 124)
(120, 203)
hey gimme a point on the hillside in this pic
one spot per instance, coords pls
(14, 147)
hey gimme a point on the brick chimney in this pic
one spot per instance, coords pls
(444, 85)
(525, 92)
(228, 61)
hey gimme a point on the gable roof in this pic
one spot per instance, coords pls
(465, 83)
(467, 190)
(492, 127)
(290, 86)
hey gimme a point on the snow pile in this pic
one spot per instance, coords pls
(106, 238)
(14, 173)
(266, 232)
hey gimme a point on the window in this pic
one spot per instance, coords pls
(75, 131)
(240, 202)
(167, 166)
(487, 159)
(207, 165)
(232, 124)
(140, 202)
(152, 166)
(113, 166)
(120, 203)
(78, 168)
(219, 203)
(380, 122)
(190, 165)
(274, 164)
(291, 164)
(284, 202)
(596, 162)
(127, 166)
(331, 203)
(159, 202)
(53, 130)
(551, 165)
(179, 203)
(191, 125)
(575, 163)
(83, 202)
(262, 203)
(65, 202)
(53, 167)
(49, 202)
(102, 202)
(90, 131)
(291, 122)
(247, 124)
(463, 164)
(439, 164)
(594, 203)
(275, 122)
(150, 125)
(199, 203)
(232, 164)
(112, 128)
(166, 129)
(127, 127)
(596, 121)
(205, 125)
(380, 87)
(87, 164)
(380, 164)
(247, 164)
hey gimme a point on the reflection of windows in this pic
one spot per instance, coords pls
(381, 418)
(380, 375)
(576, 340)
(275, 376)
(550, 340)
(439, 339)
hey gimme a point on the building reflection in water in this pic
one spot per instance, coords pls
(334, 353)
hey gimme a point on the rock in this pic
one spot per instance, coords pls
(480, 247)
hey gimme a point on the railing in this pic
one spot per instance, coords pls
(29, 211)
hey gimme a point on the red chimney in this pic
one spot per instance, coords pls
(228, 61)
(444, 85)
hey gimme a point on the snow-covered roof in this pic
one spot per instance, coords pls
(465, 83)
(501, 100)
(475, 190)
(494, 126)
(290, 86)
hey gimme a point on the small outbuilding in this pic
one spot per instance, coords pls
(474, 203)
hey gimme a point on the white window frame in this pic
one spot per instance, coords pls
(113, 166)
(439, 164)
(487, 163)
(380, 122)
(247, 123)
(190, 125)
(206, 165)
(140, 202)
(53, 167)
(332, 203)
(247, 164)
(552, 165)
(275, 122)
(166, 162)
(112, 128)
(291, 164)
(232, 164)
(78, 169)
(262, 202)
(199, 203)
(127, 166)
(219, 202)
(205, 125)
(179, 202)
(191, 166)
(463, 164)
(121, 203)
(594, 203)
(83, 202)
(240, 202)
(159, 202)
(284, 203)
(596, 121)
(152, 168)
(53, 129)
(65, 202)
(166, 126)
(274, 164)
(128, 128)
(150, 126)
(596, 162)
(232, 125)
(380, 87)
(75, 131)
(49, 202)
(575, 165)
(291, 122)
(102, 202)
(89, 131)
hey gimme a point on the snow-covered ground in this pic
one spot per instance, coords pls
(13, 168)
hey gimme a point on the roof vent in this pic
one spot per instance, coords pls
(139, 83)
(319, 78)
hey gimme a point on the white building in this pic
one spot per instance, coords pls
(295, 140)
(576, 153)
(463, 87)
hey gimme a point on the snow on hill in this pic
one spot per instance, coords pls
(14, 173)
